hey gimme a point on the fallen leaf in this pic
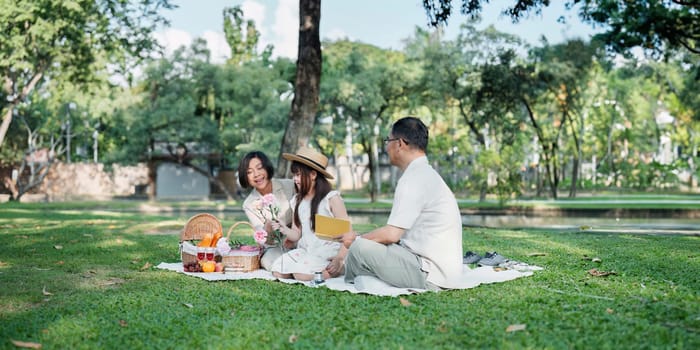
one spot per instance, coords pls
(442, 328)
(293, 338)
(112, 281)
(26, 344)
(595, 272)
(60, 262)
(609, 310)
(188, 305)
(135, 261)
(146, 266)
(596, 260)
(405, 302)
(58, 247)
(123, 323)
(537, 254)
(515, 328)
(43, 291)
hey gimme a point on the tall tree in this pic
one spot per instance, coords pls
(45, 40)
(307, 82)
(366, 83)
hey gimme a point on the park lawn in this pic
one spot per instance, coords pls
(81, 279)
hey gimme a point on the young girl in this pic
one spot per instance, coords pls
(313, 196)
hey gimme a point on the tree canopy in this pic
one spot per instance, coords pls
(654, 25)
(48, 41)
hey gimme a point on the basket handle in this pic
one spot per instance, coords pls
(228, 234)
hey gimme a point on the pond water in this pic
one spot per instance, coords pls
(564, 223)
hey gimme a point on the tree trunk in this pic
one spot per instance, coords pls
(7, 118)
(306, 85)
(574, 178)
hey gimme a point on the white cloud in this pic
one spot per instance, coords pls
(336, 34)
(285, 29)
(216, 43)
(255, 11)
(172, 39)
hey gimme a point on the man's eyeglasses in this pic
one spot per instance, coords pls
(387, 140)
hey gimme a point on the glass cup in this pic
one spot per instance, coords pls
(201, 254)
(210, 252)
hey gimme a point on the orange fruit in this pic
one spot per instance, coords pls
(209, 266)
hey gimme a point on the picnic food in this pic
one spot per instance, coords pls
(192, 267)
(208, 266)
(206, 241)
(216, 238)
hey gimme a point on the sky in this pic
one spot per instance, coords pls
(383, 23)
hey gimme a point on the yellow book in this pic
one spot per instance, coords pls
(329, 228)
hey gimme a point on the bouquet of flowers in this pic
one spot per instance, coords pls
(267, 209)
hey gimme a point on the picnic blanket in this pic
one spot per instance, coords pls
(471, 277)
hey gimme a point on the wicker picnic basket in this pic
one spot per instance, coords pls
(240, 260)
(195, 229)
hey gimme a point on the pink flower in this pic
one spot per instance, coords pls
(268, 200)
(260, 236)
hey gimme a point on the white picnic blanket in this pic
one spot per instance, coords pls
(471, 277)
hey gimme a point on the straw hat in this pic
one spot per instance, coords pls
(312, 158)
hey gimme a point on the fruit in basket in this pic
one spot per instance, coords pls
(206, 241)
(219, 267)
(192, 267)
(209, 266)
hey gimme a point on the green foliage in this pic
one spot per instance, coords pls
(70, 41)
(656, 26)
(82, 279)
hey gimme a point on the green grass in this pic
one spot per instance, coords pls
(83, 279)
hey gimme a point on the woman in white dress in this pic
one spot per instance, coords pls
(313, 196)
(255, 171)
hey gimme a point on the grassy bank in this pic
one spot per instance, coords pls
(85, 279)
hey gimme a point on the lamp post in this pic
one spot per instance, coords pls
(95, 134)
(66, 127)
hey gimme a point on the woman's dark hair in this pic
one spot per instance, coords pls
(412, 131)
(321, 189)
(245, 162)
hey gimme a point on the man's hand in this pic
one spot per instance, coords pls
(336, 267)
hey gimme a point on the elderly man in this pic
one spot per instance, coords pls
(421, 245)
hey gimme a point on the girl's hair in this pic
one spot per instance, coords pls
(245, 162)
(321, 189)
